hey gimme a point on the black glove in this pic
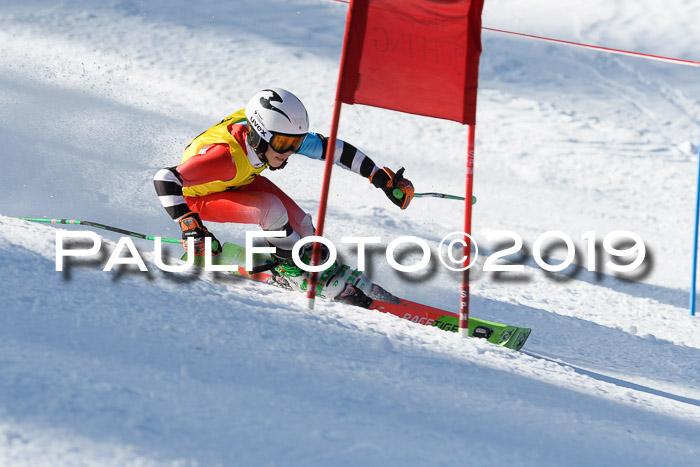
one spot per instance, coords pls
(398, 189)
(192, 227)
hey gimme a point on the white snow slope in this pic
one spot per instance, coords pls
(108, 368)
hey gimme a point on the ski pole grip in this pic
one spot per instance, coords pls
(398, 194)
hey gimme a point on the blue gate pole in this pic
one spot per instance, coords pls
(695, 242)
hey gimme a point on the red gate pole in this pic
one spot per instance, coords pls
(330, 155)
(464, 290)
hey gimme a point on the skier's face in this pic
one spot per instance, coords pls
(274, 158)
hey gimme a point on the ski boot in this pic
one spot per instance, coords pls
(333, 284)
(338, 282)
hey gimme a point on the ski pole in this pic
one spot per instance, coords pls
(99, 226)
(255, 270)
(399, 194)
(443, 195)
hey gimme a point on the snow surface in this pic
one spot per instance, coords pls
(130, 368)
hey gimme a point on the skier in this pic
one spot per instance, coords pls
(219, 180)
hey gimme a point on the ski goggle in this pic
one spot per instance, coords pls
(285, 143)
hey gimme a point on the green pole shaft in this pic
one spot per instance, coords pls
(99, 226)
(436, 195)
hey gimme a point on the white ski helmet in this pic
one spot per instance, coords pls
(276, 118)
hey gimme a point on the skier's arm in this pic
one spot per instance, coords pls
(214, 163)
(168, 185)
(349, 157)
(346, 155)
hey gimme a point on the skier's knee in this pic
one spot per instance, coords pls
(306, 226)
(275, 215)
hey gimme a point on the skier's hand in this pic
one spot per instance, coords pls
(398, 189)
(192, 227)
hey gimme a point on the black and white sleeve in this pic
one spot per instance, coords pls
(346, 155)
(168, 185)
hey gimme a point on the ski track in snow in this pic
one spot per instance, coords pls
(130, 368)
